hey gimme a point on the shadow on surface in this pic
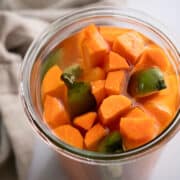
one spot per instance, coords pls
(7, 170)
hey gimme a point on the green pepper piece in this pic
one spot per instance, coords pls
(146, 82)
(112, 143)
(53, 58)
(74, 70)
(68, 79)
(80, 99)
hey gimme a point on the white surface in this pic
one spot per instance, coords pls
(46, 165)
(167, 11)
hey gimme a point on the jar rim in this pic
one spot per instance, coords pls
(60, 146)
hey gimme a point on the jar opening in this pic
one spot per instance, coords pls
(58, 31)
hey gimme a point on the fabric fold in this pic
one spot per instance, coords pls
(18, 29)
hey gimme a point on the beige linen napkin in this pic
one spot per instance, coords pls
(18, 27)
(16, 34)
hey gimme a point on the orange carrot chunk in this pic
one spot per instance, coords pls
(137, 130)
(90, 30)
(85, 121)
(54, 112)
(94, 74)
(162, 113)
(110, 33)
(129, 45)
(94, 47)
(115, 82)
(164, 104)
(94, 135)
(70, 135)
(113, 107)
(52, 84)
(98, 90)
(152, 57)
(71, 49)
(136, 112)
(115, 62)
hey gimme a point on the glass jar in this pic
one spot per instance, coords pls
(91, 164)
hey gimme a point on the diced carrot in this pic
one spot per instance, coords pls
(54, 112)
(136, 112)
(94, 47)
(163, 105)
(152, 56)
(70, 135)
(171, 93)
(162, 113)
(71, 49)
(129, 45)
(130, 144)
(115, 62)
(138, 130)
(98, 90)
(110, 33)
(94, 74)
(52, 84)
(90, 30)
(115, 82)
(113, 107)
(94, 135)
(85, 121)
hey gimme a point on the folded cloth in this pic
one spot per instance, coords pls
(16, 34)
(18, 28)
